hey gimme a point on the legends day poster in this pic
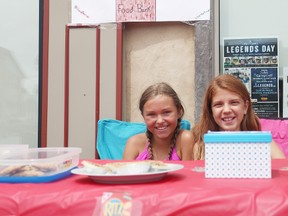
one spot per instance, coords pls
(255, 62)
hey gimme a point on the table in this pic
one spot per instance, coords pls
(183, 192)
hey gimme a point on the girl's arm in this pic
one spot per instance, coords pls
(276, 152)
(134, 146)
(186, 141)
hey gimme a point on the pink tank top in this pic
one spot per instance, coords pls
(144, 155)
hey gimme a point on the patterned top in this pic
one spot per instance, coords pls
(144, 155)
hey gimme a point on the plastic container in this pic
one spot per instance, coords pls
(7, 149)
(238, 154)
(38, 164)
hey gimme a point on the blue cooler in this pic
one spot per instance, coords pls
(243, 154)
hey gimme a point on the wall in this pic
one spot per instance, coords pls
(58, 18)
(79, 128)
(266, 21)
(162, 51)
(81, 89)
(258, 18)
(158, 52)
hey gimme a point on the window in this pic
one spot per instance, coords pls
(19, 72)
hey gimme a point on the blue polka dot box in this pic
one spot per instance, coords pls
(238, 154)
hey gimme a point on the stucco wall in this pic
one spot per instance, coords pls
(156, 52)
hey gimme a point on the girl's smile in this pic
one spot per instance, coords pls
(228, 110)
(161, 115)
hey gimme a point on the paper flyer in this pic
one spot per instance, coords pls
(255, 62)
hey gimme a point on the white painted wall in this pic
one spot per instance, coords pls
(256, 18)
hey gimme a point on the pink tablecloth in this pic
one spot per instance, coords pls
(183, 192)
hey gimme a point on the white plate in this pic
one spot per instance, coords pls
(129, 178)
